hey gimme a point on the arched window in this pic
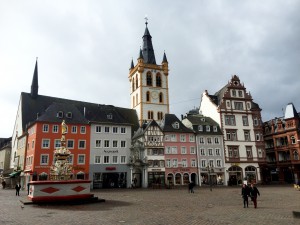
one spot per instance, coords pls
(149, 79)
(136, 82)
(293, 140)
(136, 99)
(43, 176)
(133, 84)
(148, 96)
(161, 97)
(158, 80)
(133, 101)
(250, 168)
(80, 175)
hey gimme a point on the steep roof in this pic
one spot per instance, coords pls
(217, 97)
(5, 142)
(290, 111)
(197, 120)
(148, 51)
(35, 83)
(45, 108)
(141, 130)
(168, 122)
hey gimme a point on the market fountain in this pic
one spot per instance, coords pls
(61, 187)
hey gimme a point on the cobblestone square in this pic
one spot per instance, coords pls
(222, 205)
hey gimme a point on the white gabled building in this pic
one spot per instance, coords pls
(239, 117)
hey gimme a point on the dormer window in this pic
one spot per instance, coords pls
(60, 114)
(200, 128)
(208, 128)
(69, 115)
(215, 128)
(203, 119)
(109, 116)
(175, 125)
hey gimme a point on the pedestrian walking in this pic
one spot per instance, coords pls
(253, 194)
(18, 187)
(191, 187)
(245, 195)
(3, 184)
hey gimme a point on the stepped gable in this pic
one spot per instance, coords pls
(234, 83)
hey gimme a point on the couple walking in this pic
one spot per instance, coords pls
(251, 192)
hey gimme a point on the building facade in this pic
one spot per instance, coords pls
(239, 117)
(180, 152)
(37, 134)
(210, 150)
(44, 136)
(111, 132)
(147, 156)
(5, 155)
(282, 137)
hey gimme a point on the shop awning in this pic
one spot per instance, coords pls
(14, 174)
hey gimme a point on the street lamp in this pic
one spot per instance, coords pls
(210, 170)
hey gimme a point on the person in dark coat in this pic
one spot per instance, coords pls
(191, 187)
(3, 184)
(245, 195)
(253, 194)
(18, 187)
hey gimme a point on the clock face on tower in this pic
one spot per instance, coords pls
(154, 94)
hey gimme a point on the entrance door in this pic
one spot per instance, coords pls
(137, 179)
(193, 178)
(110, 180)
(232, 180)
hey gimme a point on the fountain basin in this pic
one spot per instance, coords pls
(59, 191)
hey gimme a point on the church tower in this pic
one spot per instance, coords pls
(149, 90)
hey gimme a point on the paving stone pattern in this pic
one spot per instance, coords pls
(221, 206)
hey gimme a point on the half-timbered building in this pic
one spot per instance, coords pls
(147, 156)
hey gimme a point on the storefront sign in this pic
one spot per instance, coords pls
(156, 170)
(78, 168)
(110, 168)
(111, 151)
(39, 167)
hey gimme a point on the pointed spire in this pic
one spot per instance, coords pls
(148, 51)
(165, 58)
(132, 65)
(35, 83)
(141, 54)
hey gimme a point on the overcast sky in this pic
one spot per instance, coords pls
(84, 50)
